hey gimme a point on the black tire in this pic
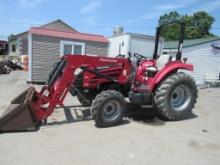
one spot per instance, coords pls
(108, 108)
(175, 97)
(86, 102)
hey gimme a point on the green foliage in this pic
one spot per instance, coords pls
(198, 25)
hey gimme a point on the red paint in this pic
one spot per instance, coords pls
(151, 82)
(70, 35)
(117, 68)
(48, 99)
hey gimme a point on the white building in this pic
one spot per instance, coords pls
(203, 53)
(122, 43)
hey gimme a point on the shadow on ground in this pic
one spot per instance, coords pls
(86, 115)
(137, 114)
(143, 115)
(148, 115)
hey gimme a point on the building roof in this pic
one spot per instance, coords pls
(138, 35)
(48, 24)
(189, 43)
(69, 35)
(143, 36)
(60, 21)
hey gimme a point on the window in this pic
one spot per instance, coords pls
(13, 47)
(77, 49)
(2, 45)
(67, 49)
(72, 48)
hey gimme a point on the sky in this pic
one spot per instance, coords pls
(98, 16)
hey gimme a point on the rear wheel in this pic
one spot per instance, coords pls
(108, 108)
(175, 97)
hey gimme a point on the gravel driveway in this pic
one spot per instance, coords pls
(71, 137)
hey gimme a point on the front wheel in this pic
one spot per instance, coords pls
(175, 97)
(108, 108)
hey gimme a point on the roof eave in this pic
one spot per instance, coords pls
(195, 44)
(105, 40)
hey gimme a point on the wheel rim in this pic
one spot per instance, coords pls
(181, 97)
(111, 110)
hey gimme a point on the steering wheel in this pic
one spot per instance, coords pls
(139, 58)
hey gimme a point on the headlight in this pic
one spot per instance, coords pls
(124, 72)
(78, 71)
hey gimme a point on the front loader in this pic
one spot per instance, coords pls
(28, 110)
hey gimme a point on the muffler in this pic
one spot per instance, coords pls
(19, 116)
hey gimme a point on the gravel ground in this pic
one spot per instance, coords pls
(71, 137)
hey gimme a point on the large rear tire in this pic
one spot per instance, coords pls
(108, 108)
(175, 97)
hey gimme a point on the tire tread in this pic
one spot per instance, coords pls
(160, 95)
(97, 104)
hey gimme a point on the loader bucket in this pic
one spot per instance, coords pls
(19, 116)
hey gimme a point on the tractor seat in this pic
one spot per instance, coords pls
(163, 60)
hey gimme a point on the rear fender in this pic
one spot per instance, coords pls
(170, 68)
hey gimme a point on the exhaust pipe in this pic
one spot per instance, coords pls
(19, 116)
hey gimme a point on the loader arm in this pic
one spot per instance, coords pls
(39, 105)
(61, 81)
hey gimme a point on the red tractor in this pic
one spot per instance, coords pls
(157, 82)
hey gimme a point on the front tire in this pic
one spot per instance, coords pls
(175, 97)
(108, 108)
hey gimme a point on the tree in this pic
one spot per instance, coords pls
(198, 25)
(170, 32)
